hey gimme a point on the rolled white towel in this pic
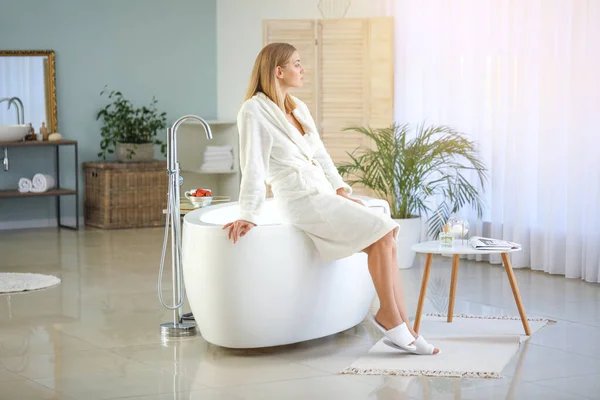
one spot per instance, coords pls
(42, 183)
(25, 185)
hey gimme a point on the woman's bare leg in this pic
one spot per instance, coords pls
(399, 297)
(380, 267)
(399, 294)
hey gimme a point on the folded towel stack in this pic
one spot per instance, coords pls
(217, 159)
(40, 183)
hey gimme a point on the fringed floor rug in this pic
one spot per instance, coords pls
(11, 282)
(471, 347)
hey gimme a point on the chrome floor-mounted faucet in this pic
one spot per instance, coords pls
(177, 327)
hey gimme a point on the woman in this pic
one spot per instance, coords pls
(280, 145)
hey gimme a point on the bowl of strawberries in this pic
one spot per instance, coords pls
(199, 197)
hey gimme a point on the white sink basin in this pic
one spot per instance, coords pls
(13, 133)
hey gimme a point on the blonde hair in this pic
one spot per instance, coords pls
(263, 74)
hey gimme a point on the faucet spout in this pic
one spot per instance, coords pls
(5, 159)
(17, 102)
(172, 161)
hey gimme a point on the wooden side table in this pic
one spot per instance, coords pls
(431, 248)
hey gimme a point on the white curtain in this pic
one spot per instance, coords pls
(522, 78)
(23, 77)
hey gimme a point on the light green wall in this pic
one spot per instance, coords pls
(145, 48)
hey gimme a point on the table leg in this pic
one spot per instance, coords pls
(455, 259)
(423, 292)
(515, 290)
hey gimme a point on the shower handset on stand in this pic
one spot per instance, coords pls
(177, 327)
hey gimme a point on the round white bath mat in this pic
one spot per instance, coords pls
(11, 282)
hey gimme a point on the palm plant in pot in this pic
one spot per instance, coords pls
(413, 170)
(130, 132)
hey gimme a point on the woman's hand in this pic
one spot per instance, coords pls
(355, 200)
(237, 229)
(342, 193)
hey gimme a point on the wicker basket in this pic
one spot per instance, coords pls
(125, 195)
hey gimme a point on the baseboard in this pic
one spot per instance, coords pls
(38, 223)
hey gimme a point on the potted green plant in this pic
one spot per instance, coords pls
(130, 132)
(412, 171)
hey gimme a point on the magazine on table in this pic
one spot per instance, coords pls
(483, 243)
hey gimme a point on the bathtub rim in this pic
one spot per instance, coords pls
(197, 216)
(187, 219)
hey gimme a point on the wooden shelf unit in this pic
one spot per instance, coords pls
(37, 143)
(57, 192)
(52, 192)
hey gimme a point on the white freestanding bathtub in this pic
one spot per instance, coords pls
(270, 288)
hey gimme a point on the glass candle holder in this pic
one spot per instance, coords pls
(446, 239)
(459, 227)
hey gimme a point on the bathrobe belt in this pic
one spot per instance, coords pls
(293, 167)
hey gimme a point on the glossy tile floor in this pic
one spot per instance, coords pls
(96, 336)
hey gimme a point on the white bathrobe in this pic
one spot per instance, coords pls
(304, 180)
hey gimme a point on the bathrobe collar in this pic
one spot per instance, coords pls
(279, 119)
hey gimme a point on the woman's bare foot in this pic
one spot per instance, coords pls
(389, 321)
(416, 336)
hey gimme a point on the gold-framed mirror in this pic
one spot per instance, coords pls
(29, 75)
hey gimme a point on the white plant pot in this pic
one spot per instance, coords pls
(410, 233)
